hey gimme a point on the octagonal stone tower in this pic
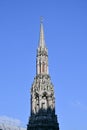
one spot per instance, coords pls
(43, 115)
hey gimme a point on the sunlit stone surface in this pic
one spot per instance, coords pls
(43, 115)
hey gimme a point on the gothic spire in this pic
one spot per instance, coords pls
(43, 115)
(42, 54)
(41, 40)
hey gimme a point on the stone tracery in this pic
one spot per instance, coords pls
(42, 93)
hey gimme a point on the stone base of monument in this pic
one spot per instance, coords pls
(43, 120)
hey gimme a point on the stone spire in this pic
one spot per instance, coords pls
(41, 40)
(42, 54)
(43, 115)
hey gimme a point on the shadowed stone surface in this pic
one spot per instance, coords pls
(43, 115)
(43, 120)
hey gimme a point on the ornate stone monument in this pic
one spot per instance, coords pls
(43, 115)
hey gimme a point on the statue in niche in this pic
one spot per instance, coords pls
(37, 104)
(50, 102)
(44, 102)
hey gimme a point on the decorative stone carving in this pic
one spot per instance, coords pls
(42, 93)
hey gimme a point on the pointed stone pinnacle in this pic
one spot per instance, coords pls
(41, 40)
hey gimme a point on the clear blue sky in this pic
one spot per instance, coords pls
(65, 27)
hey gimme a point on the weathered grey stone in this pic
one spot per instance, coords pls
(43, 115)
